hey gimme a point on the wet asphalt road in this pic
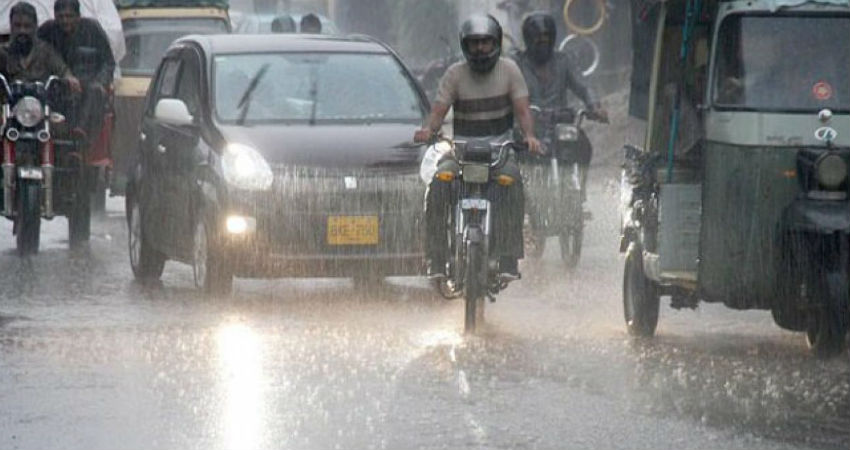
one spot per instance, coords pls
(90, 359)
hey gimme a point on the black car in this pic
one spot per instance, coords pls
(278, 155)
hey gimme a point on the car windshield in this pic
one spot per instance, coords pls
(781, 64)
(308, 87)
(147, 40)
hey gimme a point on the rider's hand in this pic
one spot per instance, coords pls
(601, 115)
(423, 135)
(74, 83)
(534, 145)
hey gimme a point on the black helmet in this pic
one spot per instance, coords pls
(481, 27)
(535, 26)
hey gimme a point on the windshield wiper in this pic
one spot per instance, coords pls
(245, 100)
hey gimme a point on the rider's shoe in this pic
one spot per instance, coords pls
(436, 270)
(508, 269)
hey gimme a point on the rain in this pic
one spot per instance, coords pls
(306, 352)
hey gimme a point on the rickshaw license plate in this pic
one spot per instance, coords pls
(352, 230)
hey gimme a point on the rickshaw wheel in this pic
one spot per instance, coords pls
(825, 334)
(641, 300)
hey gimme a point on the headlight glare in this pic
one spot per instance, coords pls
(831, 171)
(28, 111)
(245, 168)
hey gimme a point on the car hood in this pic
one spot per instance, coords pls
(374, 146)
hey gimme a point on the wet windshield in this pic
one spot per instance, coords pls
(302, 87)
(147, 40)
(782, 64)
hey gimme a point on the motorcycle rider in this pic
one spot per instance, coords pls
(485, 91)
(26, 57)
(83, 45)
(549, 76)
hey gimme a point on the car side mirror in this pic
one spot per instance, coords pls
(173, 111)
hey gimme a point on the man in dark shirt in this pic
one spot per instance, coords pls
(83, 45)
(27, 58)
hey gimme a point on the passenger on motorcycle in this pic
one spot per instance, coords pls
(485, 91)
(550, 77)
(26, 57)
(83, 45)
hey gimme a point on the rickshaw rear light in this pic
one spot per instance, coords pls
(831, 171)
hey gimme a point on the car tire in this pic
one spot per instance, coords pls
(211, 271)
(825, 334)
(146, 262)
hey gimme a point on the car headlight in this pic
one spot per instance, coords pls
(831, 171)
(28, 111)
(245, 168)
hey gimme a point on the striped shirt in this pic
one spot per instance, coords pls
(483, 103)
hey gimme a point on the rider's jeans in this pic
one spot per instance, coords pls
(508, 204)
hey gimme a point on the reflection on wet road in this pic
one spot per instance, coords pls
(90, 359)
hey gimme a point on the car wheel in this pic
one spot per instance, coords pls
(146, 262)
(211, 272)
(825, 333)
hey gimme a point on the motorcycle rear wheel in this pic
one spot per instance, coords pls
(28, 220)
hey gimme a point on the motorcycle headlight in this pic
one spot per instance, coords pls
(831, 171)
(567, 133)
(245, 168)
(28, 111)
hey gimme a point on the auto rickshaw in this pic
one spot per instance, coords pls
(149, 27)
(740, 194)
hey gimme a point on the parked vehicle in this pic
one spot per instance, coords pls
(554, 183)
(42, 176)
(284, 155)
(472, 269)
(150, 26)
(741, 194)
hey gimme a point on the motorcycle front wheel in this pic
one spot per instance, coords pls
(28, 219)
(475, 289)
(571, 245)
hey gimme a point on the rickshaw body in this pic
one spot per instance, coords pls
(721, 204)
(149, 28)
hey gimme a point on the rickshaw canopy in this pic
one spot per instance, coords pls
(103, 11)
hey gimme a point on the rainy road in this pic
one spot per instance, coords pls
(90, 359)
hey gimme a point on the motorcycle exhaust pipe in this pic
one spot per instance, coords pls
(8, 177)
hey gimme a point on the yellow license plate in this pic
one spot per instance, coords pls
(352, 230)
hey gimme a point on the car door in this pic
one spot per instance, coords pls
(179, 148)
(153, 190)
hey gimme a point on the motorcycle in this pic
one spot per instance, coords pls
(554, 184)
(42, 176)
(472, 269)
